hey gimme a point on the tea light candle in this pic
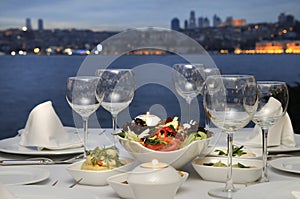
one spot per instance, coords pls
(154, 164)
(151, 120)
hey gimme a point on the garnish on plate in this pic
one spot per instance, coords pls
(167, 135)
(236, 152)
(221, 164)
(102, 159)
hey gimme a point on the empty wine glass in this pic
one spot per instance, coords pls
(119, 88)
(188, 82)
(230, 102)
(208, 72)
(273, 100)
(81, 96)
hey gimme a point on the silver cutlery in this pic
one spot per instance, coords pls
(75, 183)
(39, 161)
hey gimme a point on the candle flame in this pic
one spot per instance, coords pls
(155, 162)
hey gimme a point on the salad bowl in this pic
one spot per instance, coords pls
(177, 158)
(169, 141)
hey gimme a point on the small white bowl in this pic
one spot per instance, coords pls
(99, 178)
(176, 159)
(124, 190)
(218, 174)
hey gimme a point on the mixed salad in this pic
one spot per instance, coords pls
(167, 135)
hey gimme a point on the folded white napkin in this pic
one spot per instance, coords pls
(296, 194)
(6, 194)
(44, 129)
(281, 133)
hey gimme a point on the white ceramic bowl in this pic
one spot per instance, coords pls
(124, 190)
(90, 177)
(218, 174)
(176, 159)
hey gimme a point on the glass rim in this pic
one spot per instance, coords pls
(85, 77)
(233, 76)
(184, 64)
(266, 82)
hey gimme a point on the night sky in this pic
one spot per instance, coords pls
(124, 14)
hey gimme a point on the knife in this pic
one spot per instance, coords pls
(33, 161)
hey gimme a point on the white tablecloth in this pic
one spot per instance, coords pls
(194, 187)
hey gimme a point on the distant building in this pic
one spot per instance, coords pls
(286, 19)
(175, 24)
(40, 25)
(186, 24)
(200, 22)
(216, 20)
(28, 24)
(192, 21)
(230, 21)
(206, 22)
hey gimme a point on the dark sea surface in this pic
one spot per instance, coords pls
(26, 81)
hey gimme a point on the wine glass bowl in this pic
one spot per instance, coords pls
(273, 100)
(119, 88)
(230, 102)
(188, 81)
(81, 96)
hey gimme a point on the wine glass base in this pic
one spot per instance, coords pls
(222, 193)
(262, 180)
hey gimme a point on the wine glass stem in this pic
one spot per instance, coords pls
(85, 135)
(229, 182)
(114, 125)
(188, 102)
(264, 177)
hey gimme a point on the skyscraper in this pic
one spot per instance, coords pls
(28, 24)
(192, 21)
(175, 24)
(216, 20)
(40, 24)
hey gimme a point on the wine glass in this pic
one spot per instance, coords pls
(81, 96)
(188, 82)
(208, 72)
(273, 100)
(119, 88)
(230, 102)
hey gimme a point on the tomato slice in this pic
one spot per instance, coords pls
(173, 144)
(156, 147)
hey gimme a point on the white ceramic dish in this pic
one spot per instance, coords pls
(176, 159)
(218, 174)
(270, 190)
(124, 190)
(99, 178)
(48, 192)
(288, 164)
(19, 175)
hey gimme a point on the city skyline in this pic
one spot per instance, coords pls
(118, 16)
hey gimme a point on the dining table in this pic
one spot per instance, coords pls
(193, 187)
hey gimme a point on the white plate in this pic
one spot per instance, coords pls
(283, 148)
(270, 190)
(48, 192)
(17, 175)
(11, 145)
(289, 164)
(240, 138)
